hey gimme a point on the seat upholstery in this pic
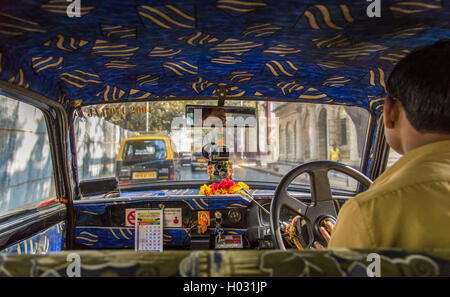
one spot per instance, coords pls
(239, 263)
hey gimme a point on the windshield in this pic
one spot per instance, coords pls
(147, 142)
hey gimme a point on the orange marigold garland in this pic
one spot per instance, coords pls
(226, 186)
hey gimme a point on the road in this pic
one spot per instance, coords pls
(241, 173)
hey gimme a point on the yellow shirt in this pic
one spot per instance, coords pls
(334, 155)
(408, 206)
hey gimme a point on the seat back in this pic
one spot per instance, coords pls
(236, 263)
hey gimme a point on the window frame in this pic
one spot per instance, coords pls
(25, 221)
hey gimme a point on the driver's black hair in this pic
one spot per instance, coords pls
(421, 82)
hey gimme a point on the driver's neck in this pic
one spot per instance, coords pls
(415, 140)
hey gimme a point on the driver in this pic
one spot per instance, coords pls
(408, 206)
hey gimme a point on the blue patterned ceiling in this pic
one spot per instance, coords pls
(117, 50)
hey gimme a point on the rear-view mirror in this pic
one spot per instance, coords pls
(229, 116)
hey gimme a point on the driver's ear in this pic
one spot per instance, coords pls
(391, 112)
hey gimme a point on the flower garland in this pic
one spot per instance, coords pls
(226, 186)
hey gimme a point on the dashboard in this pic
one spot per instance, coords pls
(108, 222)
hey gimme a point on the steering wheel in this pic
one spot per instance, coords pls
(320, 210)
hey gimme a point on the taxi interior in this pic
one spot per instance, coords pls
(75, 82)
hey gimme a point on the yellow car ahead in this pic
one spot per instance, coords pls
(144, 158)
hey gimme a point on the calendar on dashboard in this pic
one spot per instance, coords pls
(149, 230)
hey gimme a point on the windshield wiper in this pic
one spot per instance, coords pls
(112, 194)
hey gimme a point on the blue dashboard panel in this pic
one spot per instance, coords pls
(90, 213)
(123, 237)
(47, 241)
(85, 212)
(174, 192)
(103, 237)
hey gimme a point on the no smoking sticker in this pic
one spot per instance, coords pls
(130, 217)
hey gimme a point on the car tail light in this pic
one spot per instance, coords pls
(172, 173)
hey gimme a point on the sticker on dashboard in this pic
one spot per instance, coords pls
(231, 241)
(172, 217)
(203, 216)
(130, 217)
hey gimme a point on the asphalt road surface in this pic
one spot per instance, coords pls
(246, 173)
(240, 174)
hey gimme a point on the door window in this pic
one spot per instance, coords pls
(26, 170)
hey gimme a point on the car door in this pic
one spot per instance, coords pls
(33, 211)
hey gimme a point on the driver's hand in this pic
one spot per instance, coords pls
(326, 233)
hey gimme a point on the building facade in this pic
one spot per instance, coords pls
(307, 132)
